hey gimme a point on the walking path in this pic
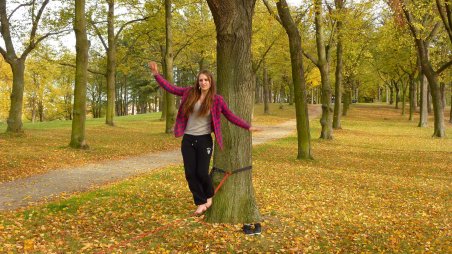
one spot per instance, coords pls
(38, 188)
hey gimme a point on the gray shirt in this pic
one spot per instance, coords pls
(198, 125)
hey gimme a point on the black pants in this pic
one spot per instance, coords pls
(197, 151)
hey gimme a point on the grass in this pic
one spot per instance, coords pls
(44, 146)
(381, 185)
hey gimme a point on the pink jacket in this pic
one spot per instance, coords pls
(219, 107)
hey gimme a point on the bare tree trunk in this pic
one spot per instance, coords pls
(266, 89)
(299, 83)
(412, 96)
(404, 90)
(169, 98)
(347, 101)
(397, 98)
(326, 120)
(82, 45)
(111, 64)
(339, 66)
(442, 89)
(423, 112)
(233, 22)
(17, 97)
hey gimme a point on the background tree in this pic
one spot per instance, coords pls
(420, 19)
(299, 82)
(81, 71)
(11, 26)
(110, 49)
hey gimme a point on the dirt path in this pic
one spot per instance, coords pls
(39, 188)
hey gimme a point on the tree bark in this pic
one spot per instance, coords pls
(266, 82)
(347, 101)
(432, 77)
(81, 73)
(412, 96)
(299, 83)
(338, 74)
(326, 120)
(450, 113)
(235, 202)
(423, 112)
(169, 98)
(404, 88)
(442, 89)
(111, 64)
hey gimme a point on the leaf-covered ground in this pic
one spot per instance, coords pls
(44, 146)
(381, 185)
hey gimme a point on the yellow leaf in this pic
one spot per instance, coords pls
(29, 244)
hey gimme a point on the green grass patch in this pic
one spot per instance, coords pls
(381, 185)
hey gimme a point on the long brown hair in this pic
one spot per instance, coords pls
(195, 94)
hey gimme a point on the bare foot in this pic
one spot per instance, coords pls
(209, 202)
(200, 210)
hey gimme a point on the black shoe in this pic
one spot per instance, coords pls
(257, 229)
(247, 229)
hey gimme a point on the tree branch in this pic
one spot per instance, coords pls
(3, 52)
(310, 57)
(34, 27)
(18, 7)
(446, 20)
(128, 23)
(444, 67)
(272, 13)
(265, 53)
(90, 70)
(32, 45)
(433, 32)
(99, 34)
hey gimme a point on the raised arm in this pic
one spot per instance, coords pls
(233, 118)
(170, 88)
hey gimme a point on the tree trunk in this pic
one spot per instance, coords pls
(299, 83)
(81, 71)
(111, 64)
(404, 88)
(266, 89)
(169, 98)
(391, 93)
(450, 114)
(338, 85)
(432, 77)
(397, 98)
(291, 89)
(347, 101)
(442, 89)
(326, 120)
(429, 100)
(17, 97)
(258, 91)
(423, 112)
(235, 202)
(412, 97)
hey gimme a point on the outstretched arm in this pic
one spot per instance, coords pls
(170, 88)
(233, 118)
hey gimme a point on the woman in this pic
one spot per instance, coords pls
(198, 115)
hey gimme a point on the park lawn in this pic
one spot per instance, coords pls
(381, 185)
(44, 146)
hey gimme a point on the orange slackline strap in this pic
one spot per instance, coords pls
(227, 174)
